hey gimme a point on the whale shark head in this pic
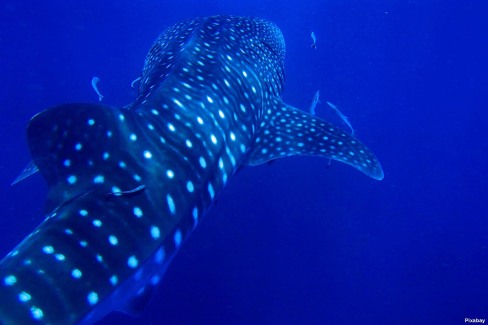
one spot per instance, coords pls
(128, 185)
(208, 49)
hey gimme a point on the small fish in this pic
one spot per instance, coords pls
(342, 116)
(133, 83)
(94, 83)
(136, 190)
(314, 41)
(314, 103)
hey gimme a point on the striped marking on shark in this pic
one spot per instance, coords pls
(128, 185)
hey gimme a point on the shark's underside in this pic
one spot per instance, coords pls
(128, 185)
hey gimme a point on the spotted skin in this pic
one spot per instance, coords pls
(128, 185)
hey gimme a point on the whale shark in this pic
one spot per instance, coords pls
(127, 185)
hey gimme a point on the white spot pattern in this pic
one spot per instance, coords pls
(24, 296)
(10, 280)
(155, 232)
(92, 298)
(76, 273)
(171, 204)
(132, 262)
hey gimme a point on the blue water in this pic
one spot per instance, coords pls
(295, 242)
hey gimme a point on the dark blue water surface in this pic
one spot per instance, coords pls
(295, 242)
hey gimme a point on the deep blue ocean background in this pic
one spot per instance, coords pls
(295, 242)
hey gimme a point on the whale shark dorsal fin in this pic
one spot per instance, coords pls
(288, 131)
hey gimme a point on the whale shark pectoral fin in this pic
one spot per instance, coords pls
(68, 139)
(75, 148)
(289, 131)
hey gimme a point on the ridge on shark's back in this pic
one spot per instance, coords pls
(128, 185)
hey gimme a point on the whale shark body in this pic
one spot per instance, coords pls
(128, 185)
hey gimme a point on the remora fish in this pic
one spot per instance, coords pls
(128, 185)
(94, 82)
(315, 101)
(314, 40)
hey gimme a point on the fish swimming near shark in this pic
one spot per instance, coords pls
(315, 101)
(128, 185)
(314, 40)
